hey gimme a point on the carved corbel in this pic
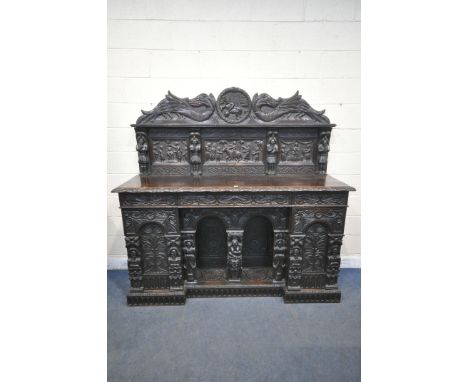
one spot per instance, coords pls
(296, 245)
(135, 270)
(234, 258)
(143, 152)
(279, 255)
(333, 260)
(189, 251)
(174, 260)
(272, 150)
(194, 150)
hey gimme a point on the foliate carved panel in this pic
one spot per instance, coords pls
(322, 198)
(233, 150)
(189, 252)
(147, 199)
(334, 259)
(279, 255)
(297, 151)
(134, 219)
(175, 261)
(295, 169)
(135, 269)
(233, 199)
(247, 169)
(315, 249)
(170, 151)
(234, 258)
(295, 262)
(153, 246)
(170, 170)
(333, 217)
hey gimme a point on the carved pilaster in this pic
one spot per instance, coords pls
(135, 270)
(189, 251)
(175, 261)
(323, 149)
(333, 260)
(143, 152)
(234, 257)
(195, 153)
(295, 262)
(272, 150)
(279, 255)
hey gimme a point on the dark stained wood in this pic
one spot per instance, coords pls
(233, 199)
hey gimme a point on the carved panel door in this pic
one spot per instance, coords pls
(154, 249)
(258, 243)
(211, 243)
(315, 248)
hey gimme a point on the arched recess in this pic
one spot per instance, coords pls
(315, 248)
(153, 248)
(257, 247)
(211, 241)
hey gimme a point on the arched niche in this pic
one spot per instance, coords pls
(153, 248)
(315, 248)
(257, 247)
(211, 243)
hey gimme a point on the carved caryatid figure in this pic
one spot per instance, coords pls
(272, 152)
(142, 148)
(195, 153)
(190, 260)
(234, 257)
(323, 149)
(175, 268)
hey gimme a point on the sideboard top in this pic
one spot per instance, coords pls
(233, 107)
(232, 184)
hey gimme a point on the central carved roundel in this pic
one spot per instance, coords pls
(233, 105)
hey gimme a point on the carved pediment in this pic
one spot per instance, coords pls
(233, 106)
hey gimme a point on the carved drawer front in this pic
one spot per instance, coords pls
(323, 198)
(147, 199)
(333, 218)
(233, 199)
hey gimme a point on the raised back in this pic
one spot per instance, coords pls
(233, 135)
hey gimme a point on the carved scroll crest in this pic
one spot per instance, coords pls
(269, 109)
(172, 107)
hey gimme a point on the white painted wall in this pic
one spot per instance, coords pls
(271, 46)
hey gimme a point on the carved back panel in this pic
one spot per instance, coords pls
(232, 135)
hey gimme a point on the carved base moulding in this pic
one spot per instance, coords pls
(233, 200)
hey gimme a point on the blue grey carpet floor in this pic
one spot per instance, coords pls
(234, 339)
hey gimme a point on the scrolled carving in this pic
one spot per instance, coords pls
(269, 109)
(171, 107)
(135, 270)
(333, 216)
(142, 148)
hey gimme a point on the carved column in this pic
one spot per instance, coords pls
(323, 148)
(279, 255)
(189, 251)
(333, 260)
(296, 245)
(174, 260)
(234, 257)
(195, 153)
(143, 152)
(272, 149)
(135, 270)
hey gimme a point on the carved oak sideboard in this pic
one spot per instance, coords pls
(233, 199)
